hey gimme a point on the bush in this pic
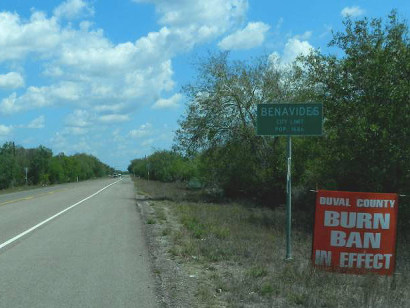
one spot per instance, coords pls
(164, 166)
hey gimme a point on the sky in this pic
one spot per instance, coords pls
(104, 77)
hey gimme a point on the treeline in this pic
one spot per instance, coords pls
(164, 166)
(42, 167)
(366, 96)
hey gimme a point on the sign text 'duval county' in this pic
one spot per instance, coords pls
(355, 232)
(289, 119)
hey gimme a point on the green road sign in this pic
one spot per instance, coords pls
(289, 119)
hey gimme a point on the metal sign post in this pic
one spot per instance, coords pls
(289, 202)
(289, 120)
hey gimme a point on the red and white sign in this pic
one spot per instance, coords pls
(355, 232)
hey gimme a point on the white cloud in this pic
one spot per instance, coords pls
(279, 25)
(275, 59)
(80, 144)
(90, 71)
(19, 37)
(164, 103)
(60, 143)
(71, 9)
(5, 130)
(110, 107)
(117, 137)
(143, 131)
(179, 13)
(352, 11)
(8, 104)
(253, 35)
(11, 80)
(192, 22)
(82, 121)
(105, 74)
(37, 123)
(53, 71)
(114, 118)
(97, 55)
(148, 142)
(295, 48)
(79, 118)
(38, 97)
(305, 36)
(77, 131)
(104, 81)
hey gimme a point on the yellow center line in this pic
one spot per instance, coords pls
(16, 200)
(33, 196)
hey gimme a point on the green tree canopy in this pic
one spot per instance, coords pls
(366, 93)
(44, 168)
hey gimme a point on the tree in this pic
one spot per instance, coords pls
(165, 166)
(220, 124)
(367, 108)
(365, 92)
(56, 169)
(44, 168)
(39, 163)
(8, 165)
(223, 100)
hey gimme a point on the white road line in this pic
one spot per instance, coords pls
(52, 217)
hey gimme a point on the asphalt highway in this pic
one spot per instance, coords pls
(74, 245)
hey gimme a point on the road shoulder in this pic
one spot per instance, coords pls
(175, 288)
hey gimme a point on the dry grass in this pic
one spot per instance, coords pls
(238, 252)
(158, 191)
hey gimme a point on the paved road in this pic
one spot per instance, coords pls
(92, 255)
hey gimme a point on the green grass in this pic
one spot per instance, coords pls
(266, 289)
(160, 214)
(166, 232)
(257, 272)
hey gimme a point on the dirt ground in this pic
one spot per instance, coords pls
(175, 287)
(208, 254)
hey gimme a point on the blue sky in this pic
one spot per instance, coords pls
(104, 77)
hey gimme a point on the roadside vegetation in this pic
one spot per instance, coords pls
(219, 211)
(231, 254)
(365, 91)
(43, 168)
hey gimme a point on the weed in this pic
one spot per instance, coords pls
(175, 251)
(242, 249)
(298, 299)
(266, 289)
(166, 232)
(205, 295)
(160, 214)
(192, 224)
(220, 232)
(257, 272)
(177, 236)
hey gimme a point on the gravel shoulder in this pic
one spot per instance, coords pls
(174, 286)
